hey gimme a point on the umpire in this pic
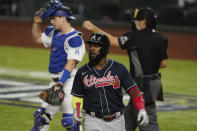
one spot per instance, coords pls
(147, 51)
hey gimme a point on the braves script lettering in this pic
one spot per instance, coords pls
(104, 81)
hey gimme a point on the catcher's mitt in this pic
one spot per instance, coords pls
(53, 97)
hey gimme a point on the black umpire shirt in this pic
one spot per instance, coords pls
(151, 48)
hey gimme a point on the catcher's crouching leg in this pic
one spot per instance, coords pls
(68, 122)
(41, 122)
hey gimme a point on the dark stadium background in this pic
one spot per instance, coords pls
(177, 21)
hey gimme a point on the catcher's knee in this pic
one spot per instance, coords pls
(67, 121)
(40, 121)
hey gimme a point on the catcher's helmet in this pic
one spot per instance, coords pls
(145, 13)
(64, 11)
(56, 8)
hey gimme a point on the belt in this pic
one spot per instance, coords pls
(105, 117)
(149, 77)
(153, 76)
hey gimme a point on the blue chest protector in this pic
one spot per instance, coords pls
(58, 56)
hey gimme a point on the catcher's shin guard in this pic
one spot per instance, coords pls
(67, 122)
(40, 121)
(35, 129)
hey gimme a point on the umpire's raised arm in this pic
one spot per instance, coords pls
(93, 28)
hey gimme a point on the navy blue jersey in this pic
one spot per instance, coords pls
(102, 89)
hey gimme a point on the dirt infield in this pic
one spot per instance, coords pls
(181, 45)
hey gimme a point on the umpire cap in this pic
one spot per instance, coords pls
(145, 13)
(100, 39)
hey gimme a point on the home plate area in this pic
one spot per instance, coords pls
(28, 92)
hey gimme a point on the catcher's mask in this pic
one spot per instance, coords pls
(56, 8)
(145, 13)
(103, 42)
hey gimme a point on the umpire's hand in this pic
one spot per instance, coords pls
(142, 118)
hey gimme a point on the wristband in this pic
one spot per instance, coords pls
(139, 103)
(137, 98)
(65, 75)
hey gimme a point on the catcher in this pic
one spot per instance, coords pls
(67, 49)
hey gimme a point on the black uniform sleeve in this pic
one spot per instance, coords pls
(78, 87)
(164, 54)
(126, 41)
(127, 81)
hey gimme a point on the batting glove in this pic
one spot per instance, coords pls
(142, 118)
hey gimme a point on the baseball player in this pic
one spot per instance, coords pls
(98, 85)
(67, 49)
(147, 51)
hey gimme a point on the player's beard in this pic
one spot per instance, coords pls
(93, 61)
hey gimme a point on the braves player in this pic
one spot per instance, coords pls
(147, 51)
(67, 49)
(98, 84)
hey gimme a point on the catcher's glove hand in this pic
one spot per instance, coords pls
(52, 96)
